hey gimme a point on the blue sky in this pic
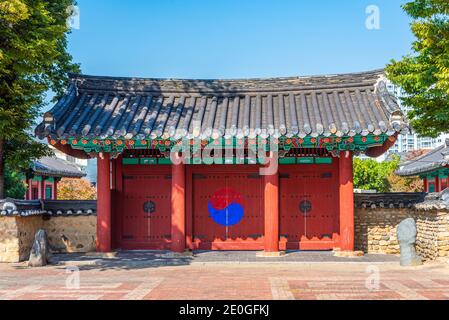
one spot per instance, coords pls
(235, 38)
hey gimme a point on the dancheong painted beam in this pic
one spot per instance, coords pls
(258, 164)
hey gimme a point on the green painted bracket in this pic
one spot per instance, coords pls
(130, 161)
(287, 160)
(324, 160)
(164, 161)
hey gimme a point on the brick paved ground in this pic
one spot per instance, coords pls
(128, 279)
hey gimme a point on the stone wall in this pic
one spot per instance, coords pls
(65, 234)
(433, 233)
(71, 233)
(9, 240)
(27, 228)
(375, 230)
(16, 237)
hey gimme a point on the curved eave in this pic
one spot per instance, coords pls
(422, 170)
(57, 174)
(80, 154)
(380, 150)
(432, 160)
(129, 108)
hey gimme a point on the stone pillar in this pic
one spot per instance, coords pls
(346, 193)
(103, 203)
(271, 199)
(178, 209)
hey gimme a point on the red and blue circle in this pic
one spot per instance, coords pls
(226, 207)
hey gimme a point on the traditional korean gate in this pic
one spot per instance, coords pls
(145, 212)
(227, 209)
(309, 207)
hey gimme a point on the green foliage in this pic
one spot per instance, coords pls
(15, 184)
(76, 189)
(20, 153)
(405, 184)
(33, 60)
(372, 175)
(424, 74)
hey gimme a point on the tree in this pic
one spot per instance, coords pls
(76, 189)
(424, 74)
(14, 184)
(372, 175)
(380, 176)
(33, 60)
(405, 184)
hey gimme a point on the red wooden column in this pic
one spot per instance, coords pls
(103, 203)
(346, 202)
(178, 208)
(271, 199)
(42, 188)
(55, 190)
(38, 189)
(426, 187)
(437, 184)
(29, 194)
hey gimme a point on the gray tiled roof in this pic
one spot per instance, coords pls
(26, 208)
(435, 201)
(388, 200)
(348, 104)
(50, 166)
(437, 158)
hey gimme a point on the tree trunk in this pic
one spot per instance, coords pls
(2, 169)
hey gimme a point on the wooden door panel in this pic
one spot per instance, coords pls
(145, 215)
(309, 206)
(227, 208)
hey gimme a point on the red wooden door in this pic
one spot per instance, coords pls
(227, 208)
(309, 209)
(145, 209)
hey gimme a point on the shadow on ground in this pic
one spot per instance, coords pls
(132, 260)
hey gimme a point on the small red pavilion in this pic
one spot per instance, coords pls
(260, 164)
(432, 167)
(45, 173)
